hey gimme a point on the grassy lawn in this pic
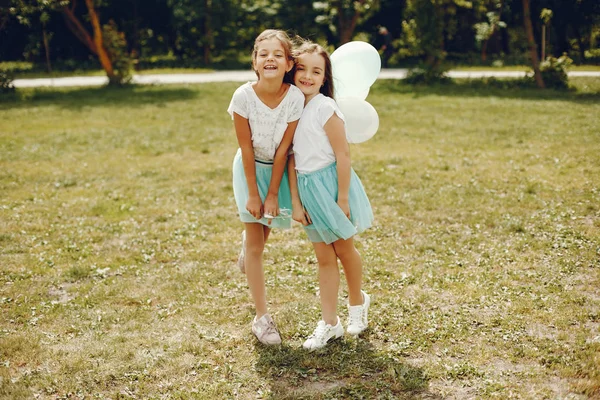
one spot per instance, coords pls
(520, 68)
(118, 242)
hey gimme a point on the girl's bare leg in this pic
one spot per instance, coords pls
(329, 281)
(256, 237)
(352, 264)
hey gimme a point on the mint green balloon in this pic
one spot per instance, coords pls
(362, 121)
(356, 66)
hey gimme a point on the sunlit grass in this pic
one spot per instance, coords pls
(118, 239)
(520, 68)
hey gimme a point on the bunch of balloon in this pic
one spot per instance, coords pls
(356, 66)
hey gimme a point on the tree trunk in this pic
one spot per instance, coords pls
(3, 21)
(579, 43)
(532, 47)
(102, 54)
(78, 29)
(47, 50)
(484, 49)
(208, 34)
(347, 25)
(543, 42)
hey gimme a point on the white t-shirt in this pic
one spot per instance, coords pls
(312, 150)
(267, 125)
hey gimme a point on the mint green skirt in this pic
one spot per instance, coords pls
(263, 179)
(319, 192)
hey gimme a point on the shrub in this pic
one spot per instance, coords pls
(116, 46)
(6, 82)
(592, 56)
(554, 71)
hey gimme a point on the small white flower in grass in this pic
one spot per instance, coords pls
(102, 272)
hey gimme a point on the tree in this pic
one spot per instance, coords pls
(537, 74)
(106, 51)
(545, 16)
(425, 26)
(342, 16)
(28, 13)
(485, 31)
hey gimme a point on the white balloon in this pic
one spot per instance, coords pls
(342, 90)
(364, 94)
(356, 66)
(361, 117)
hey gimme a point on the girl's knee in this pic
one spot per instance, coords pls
(328, 264)
(254, 250)
(346, 253)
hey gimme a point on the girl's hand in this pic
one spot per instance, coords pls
(299, 214)
(254, 206)
(271, 206)
(343, 204)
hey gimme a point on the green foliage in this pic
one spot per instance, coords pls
(485, 29)
(337, 15)
(116, 47)
(6, 82)
(408, 42)
(546, 15)
(554, 71)
(425, 34)
(592, 56)
(426, 27)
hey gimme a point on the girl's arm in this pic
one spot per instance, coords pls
(336, 132)
(244, 137)
(299, 214)
(279, 163)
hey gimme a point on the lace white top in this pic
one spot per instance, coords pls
(312, 150)
(267, 125)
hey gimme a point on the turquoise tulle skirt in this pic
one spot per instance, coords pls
(319, 192)
(263, 178)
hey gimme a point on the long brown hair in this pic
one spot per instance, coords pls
(308, 47)
(286, 42)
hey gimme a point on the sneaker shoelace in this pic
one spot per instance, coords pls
(320, 333)
(271, 328)
(355, 316)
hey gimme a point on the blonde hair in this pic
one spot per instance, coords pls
(286, 43)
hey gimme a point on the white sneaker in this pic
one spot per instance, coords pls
(265, 330)
(323, 332)
(241, 262)
(358, 316)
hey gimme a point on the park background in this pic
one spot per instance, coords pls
(57, 37)
(119, 236)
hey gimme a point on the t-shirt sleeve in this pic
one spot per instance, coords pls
(296, 106)
(326, 110)
(239, 103)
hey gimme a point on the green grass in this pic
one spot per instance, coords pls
(118, 242)
(520, 68)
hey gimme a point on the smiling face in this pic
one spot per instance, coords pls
(310, 74)
(271, 60)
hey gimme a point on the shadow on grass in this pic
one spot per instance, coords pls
(508, 89)
(105, 96)
(346, 368)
